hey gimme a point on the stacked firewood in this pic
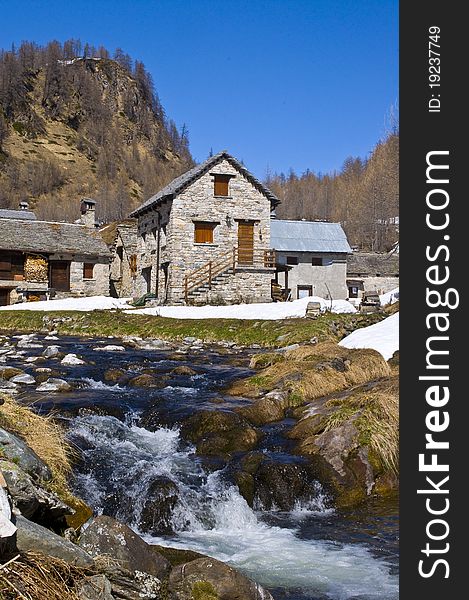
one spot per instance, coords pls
(36, 268)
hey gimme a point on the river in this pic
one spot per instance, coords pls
(311, 552)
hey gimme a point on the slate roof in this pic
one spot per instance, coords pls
(181, 182)
(51, 238)
(308, 236)
(363, 264)
(24, 215)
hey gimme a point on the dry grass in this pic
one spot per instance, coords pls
(33, 576)
(375, 414)
(47, 439)
(310, 372)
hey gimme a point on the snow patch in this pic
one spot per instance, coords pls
(382, 336)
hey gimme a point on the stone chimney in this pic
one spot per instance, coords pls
(88, 212)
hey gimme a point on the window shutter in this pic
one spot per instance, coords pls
(88, 270)
(203, 233)
(221, 185)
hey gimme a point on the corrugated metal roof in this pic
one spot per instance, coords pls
(308, 236)
(51, 238)
(188, 177)
(24, 215)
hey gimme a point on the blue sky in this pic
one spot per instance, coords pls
(278, 83)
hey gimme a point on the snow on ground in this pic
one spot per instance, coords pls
(83, 304)
(268, 311)
(383, 337)
(390, 297)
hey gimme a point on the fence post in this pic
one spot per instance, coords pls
(186, 291)
(209, 274)
(234, 260)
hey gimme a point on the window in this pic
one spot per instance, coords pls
(221, 184)
(88, 269)
(303, 291)
(316, 261)
(292, 260)
(203, 232)
(11, 265)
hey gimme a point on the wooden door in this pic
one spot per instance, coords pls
(245, 243)
(4, 297)
(60, 275)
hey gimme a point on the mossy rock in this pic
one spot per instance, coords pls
(204, 590)
(217, 432)
(176, 556)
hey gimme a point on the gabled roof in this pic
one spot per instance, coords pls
(45, 237)
(373, 264)
(24, 215)
(308, 236)
(181, 182)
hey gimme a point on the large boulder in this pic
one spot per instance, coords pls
(106, 536)
(282, 485)
(17, 451)
(220, 432)
(210, 579)
(160, 500)
(31, 499)
(32, 537)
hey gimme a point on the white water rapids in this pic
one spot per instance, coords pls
(213, 518)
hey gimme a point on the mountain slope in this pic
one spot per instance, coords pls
(72, 127)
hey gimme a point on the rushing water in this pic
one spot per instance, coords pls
(312, 552)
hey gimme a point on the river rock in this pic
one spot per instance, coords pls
(8, 386)
(9, 372)
(210, 579)
(160, 500)
(282, 485)
(145, 380)
(220, 432)
(94, 587)
(17, 451)
(109, 348)
(24, 379)
(183, 370)
(72, 359)
(53, 384)
(32, 537)
(130, 585)
(51, 352)
(106, 536)
(31, 499)
(269, 409)
(114, 375)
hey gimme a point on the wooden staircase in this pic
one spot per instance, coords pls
(216, 272)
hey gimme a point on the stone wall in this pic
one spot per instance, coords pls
(382, 285)
(245, 286)
(97, 286)
(122, 275)
(178, 248)
(326, 281)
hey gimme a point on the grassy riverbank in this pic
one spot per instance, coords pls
(328, 327)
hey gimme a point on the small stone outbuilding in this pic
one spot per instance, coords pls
(121, 238)
(311, 258)
(205, 237)
(372, 272)
(42, 259)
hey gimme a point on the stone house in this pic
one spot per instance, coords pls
(205, 237)
(121, 238)
(372, 272)
(311, 258)
(42, 259)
